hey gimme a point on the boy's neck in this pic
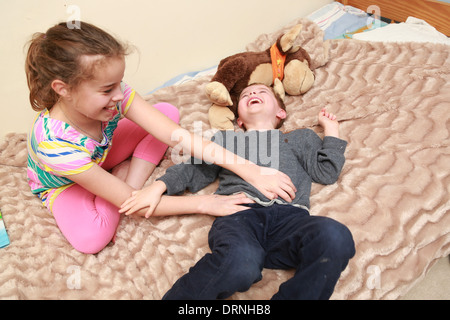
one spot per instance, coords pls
(259, 127)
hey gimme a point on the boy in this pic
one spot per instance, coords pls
(271, 233)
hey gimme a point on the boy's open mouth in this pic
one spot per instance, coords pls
(253, 101)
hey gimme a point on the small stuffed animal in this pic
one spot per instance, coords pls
(290, 64)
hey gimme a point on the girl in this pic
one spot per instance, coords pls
(75, 81)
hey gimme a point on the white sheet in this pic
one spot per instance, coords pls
(413, 30)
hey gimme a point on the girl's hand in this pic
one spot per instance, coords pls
(148, 197)
(218, 205)
(329, 123)
(271, 182)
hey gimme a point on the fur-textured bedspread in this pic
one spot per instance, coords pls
(393, 194)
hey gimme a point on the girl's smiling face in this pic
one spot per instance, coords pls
(96, 98)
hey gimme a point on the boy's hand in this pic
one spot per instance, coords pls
(148, 197)
(329, 123)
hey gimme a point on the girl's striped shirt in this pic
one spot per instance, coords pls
(56, 149)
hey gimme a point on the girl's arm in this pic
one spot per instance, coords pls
(109, 187)
(216, 205)
(272, 183)
(103, 184)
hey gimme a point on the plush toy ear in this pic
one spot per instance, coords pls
(279, 88)
(287, 40)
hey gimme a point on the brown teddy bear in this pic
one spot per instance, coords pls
(290, 64)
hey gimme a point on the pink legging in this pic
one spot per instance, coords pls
(89, 222)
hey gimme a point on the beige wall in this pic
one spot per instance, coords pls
(172, 37)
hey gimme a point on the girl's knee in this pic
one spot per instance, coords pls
(169, 110)
(87, 222)
(89, 244)
(93, 238)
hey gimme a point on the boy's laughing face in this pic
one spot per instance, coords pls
(258, 108)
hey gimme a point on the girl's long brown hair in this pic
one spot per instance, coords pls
(57, 54)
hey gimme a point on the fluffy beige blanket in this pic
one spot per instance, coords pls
(393, 194)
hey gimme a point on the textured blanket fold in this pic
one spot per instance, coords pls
(394, 192)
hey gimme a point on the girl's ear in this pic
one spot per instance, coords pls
(239, 122)
(60, 87)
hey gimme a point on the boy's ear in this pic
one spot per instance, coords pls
(60, 87)
(239, 122)
(281, 114)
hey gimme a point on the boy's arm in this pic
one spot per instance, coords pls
(191, 176)
(324, 159)
(329, 123)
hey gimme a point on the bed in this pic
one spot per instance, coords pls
(393, 100)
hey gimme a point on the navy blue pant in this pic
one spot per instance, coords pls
(275, 237)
